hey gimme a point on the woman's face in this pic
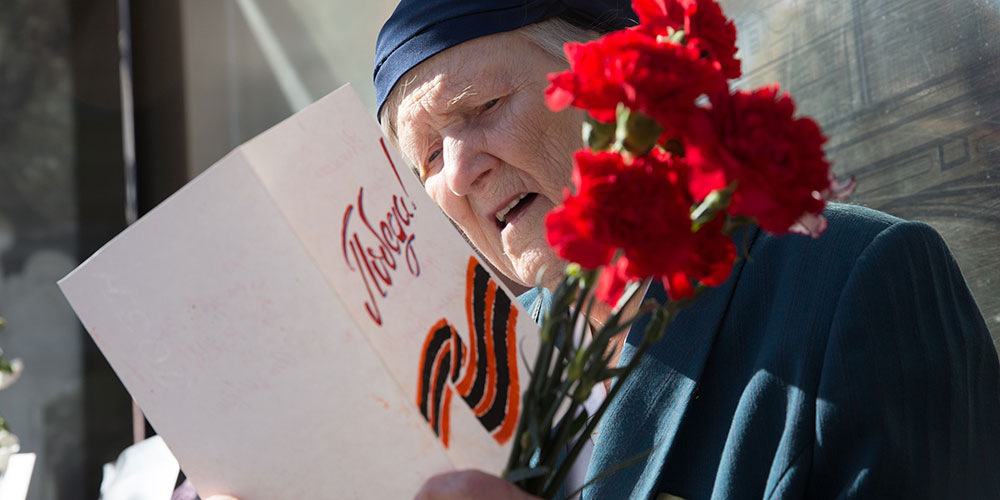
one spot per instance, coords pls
(473, 122)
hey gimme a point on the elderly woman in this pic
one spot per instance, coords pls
(852, 366)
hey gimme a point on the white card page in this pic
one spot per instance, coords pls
(301, 321)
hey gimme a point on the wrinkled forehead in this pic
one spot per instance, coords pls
(428, 95)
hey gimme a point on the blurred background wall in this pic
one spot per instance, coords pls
(907, 90)
(250, 63)
(46, 161)
(909, 94)
(205, 77)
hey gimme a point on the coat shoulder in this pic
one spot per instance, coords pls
(850, 227)
(851, 230)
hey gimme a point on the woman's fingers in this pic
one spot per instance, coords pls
(461, 485)
(469, 485)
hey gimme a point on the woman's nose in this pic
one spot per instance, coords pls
(466, 164)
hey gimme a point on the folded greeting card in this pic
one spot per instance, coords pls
(301, 321)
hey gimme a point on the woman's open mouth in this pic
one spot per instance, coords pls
(516, 207)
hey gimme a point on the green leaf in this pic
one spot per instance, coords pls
(523, 473)
(657, 325)
(597, 135)
(715, 202)
(678, 36)
(636, 132)
(534, 431)
(583, 390)
(545, 449)
(578, 423)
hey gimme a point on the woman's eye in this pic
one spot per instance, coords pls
(434, 155)
(492, 102)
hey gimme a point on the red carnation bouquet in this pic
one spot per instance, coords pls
(675, 163)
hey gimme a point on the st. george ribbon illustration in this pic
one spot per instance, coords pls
(484, 373)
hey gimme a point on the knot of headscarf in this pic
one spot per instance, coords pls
(418, 29)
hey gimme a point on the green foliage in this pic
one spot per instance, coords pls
(635, 131)
(564, 373)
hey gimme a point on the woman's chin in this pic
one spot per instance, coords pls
(544, 269)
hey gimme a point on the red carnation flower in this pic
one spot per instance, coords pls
(709, 263)
(776, 159)
(708, 30)
(642, 212)
(660, 79)
(661, 15)
(612, 281)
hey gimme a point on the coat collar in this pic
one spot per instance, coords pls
(648, 410)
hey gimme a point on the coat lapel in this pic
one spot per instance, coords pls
(648, 410)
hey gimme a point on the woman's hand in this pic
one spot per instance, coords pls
(468, 485)
(461, 485)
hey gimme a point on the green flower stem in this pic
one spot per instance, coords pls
(560, 474)
(654, 331)
(563, 376)
(538, 378)
(528, 434)
(559, 367)
(564, 392)
(540, 442)
(603, 337)
(549, 444)
(550, 457)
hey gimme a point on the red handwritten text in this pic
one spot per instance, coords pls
(372, 249)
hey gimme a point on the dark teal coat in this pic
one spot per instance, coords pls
(852, 366)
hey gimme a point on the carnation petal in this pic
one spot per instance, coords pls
(557, 96)
(609, 288)
(810, 225)
(839, 188)
(678, 286)
(567, 235)
(650, 11)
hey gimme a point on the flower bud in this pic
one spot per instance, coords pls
(574, 270)
(657, 325)
(675, 36)
(598, 135)
(636, 132)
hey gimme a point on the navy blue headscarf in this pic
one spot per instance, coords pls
(418, 29)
